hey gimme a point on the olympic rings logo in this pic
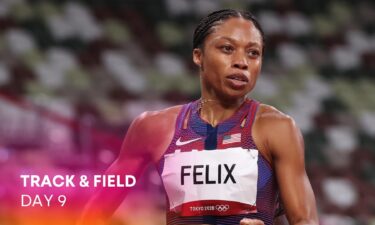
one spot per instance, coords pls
(222, 208)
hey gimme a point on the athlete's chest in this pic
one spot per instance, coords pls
(189, 141)
(212, 170)
(192, 133)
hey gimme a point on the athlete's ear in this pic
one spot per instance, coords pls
(197, 58)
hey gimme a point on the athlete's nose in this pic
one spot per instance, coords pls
(240, 61)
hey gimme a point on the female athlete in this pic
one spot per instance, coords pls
(225, 158)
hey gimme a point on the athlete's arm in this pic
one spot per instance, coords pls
(146, 137)
(285, 142)
(131, 160)
(281, 220)
(247, 221)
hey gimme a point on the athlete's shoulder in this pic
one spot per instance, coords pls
(151, 131)
(276, 131)
(274, 125)
(271, 117)
(149, 123)
(159, 116)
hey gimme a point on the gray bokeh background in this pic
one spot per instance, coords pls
(74, 74)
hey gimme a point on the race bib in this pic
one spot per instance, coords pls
(211, 182)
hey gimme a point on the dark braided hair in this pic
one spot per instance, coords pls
(205, 26)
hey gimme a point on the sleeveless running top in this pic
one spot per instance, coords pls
(216, 175)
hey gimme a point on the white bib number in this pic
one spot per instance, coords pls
(212, 182)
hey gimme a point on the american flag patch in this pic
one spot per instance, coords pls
(231, 138)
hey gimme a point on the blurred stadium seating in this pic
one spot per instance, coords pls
(73, 75)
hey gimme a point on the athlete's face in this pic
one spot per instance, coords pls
(230, 59)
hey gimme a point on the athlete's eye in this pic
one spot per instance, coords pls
(227, 49)
(253, 53)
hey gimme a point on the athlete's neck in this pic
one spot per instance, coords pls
(214, 111)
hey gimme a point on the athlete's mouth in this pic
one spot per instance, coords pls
(239, 77)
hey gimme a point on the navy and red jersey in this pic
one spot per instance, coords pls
(216, 175)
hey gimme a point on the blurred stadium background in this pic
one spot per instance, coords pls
(73, 75)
